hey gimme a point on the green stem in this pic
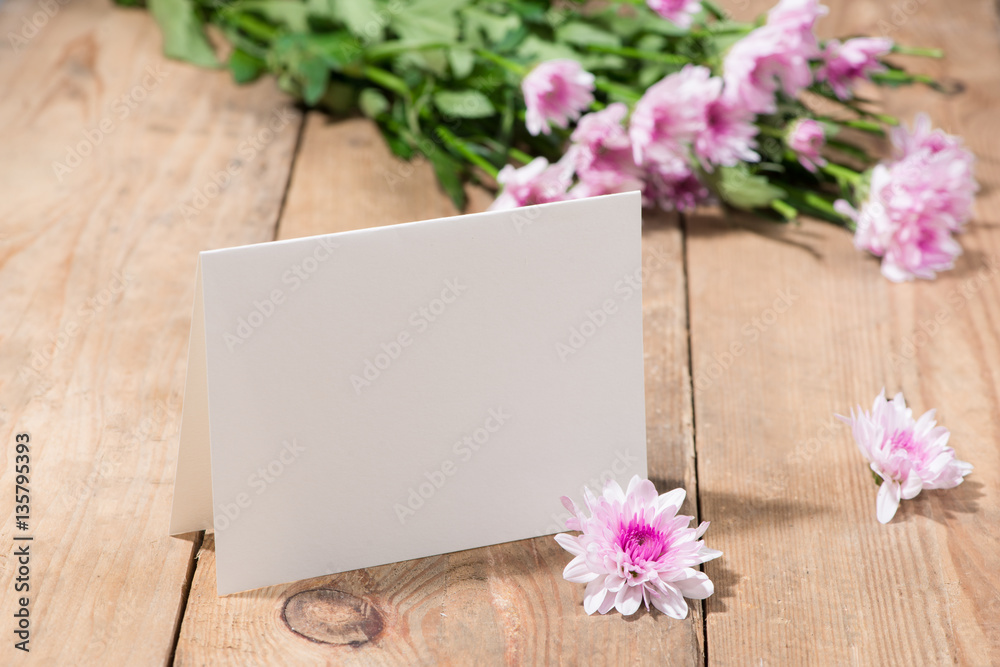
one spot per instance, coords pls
(509, 65)
(812, 203)
(714, 10)
(769, 131)
(638, 54)
(899, 77)
(856, 124)
(391, 49)
(387, 80)
(856, 152)
(519, 155)
(253, 26)
(613, 88)
(841, 173)
(463, 149)
(917, 51)
(784, 209)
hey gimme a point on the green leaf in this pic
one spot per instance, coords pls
(372, 102)
(461, 60)
(428, 21)
(584, 34)
(449, 174)
(738, 187)
(337, 49)
(290, 14)
(183, 34)
(463, 104)
(314, 77)
(362, 17)
(479, 22)
(245, 67)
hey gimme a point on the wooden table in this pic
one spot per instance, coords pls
(98, 254)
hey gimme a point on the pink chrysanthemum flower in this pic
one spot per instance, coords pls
(777, 53)
(728, 136)
(844, 64)
(678, 12)
(806, 138)
(537, 182)
(601, 154)
(916, 203)
(555, 93)
(674, 187)
(905, 455)
(635, 549)
(671, 113)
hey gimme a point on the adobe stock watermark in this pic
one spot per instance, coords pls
(31, 26)
(622, 464)
(751, 331)
(464, 449)
(956, 300)
(294, 277)
(419, 321)
(593, 320)
(227, 513)
(42, 357)
(247, 150)
(121, 108)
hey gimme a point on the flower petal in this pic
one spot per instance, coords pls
(705, 554)
(578, 571)
(641, 489)
(594, 596)
(887, 501)
(670, 602)
(570, 544)
(912, 486)
(673, 498)
(628, 600)
(694, 584)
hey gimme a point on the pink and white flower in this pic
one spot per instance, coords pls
(906, 455)
(673, 186)
(678, 12)
(671, 114)
(727, 137)
(537, 182)
(775, 54)
(844, 64)
(806, 138)
(601, 154)
(635, 549)
(556, 92)
(916, 203)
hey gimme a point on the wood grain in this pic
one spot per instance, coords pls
(809, 575)
(502, 604)
(97, 269)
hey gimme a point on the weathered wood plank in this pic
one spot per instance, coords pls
(499, 604)
(97, 265)
(809, 575)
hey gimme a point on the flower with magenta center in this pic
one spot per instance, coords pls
(844, 64)
(678, 12)
(555, 93)
(635, 549)
(905, 455)
(537, 182)
(806, 138)
(915, 203)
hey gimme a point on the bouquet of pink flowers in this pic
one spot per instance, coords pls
(552, 101)
(745, 129)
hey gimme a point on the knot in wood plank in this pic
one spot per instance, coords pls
(329, 616)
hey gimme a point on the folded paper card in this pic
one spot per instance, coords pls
(384, 394)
